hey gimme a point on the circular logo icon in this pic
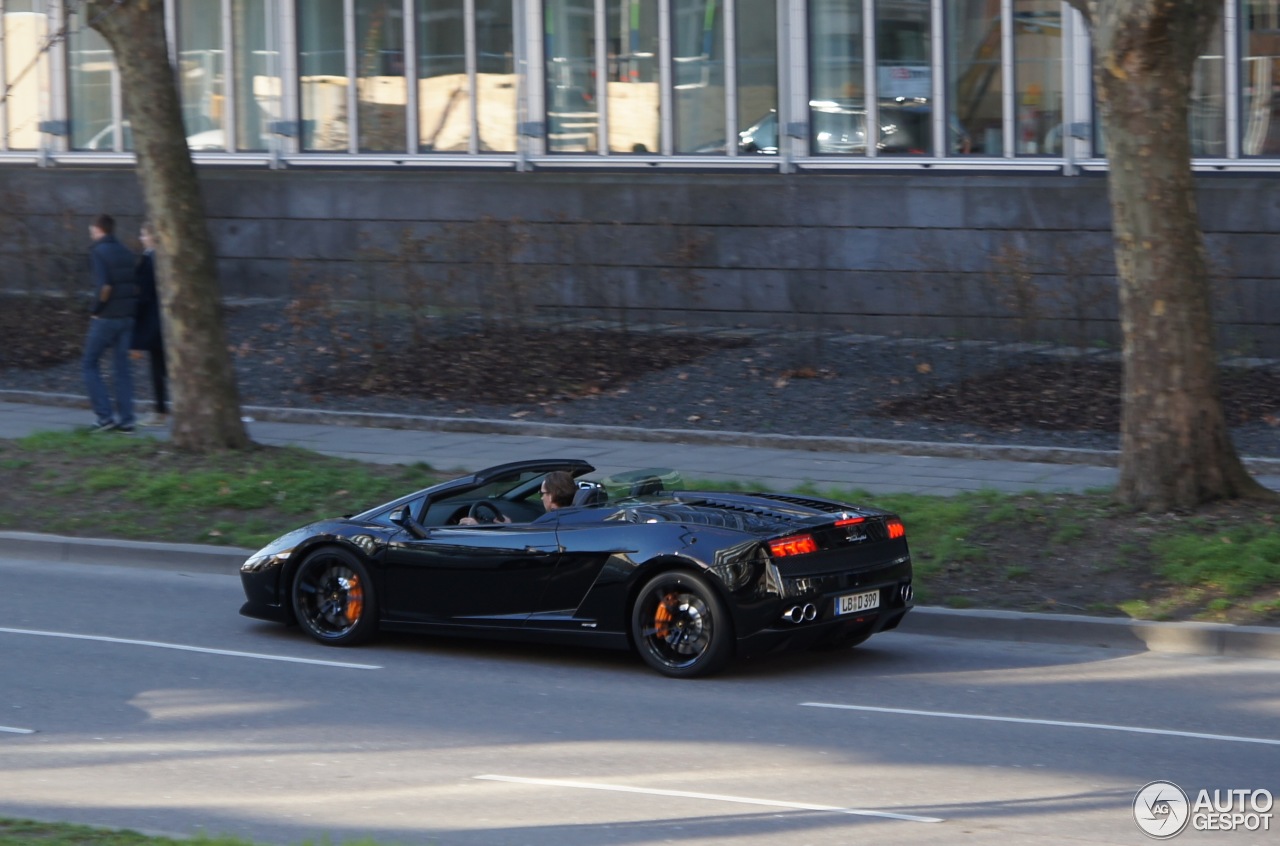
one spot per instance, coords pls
(1161, 810)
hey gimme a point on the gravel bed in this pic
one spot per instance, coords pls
(808, 383)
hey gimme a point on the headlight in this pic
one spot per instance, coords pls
(260, 561)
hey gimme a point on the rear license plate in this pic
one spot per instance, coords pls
(854, 602)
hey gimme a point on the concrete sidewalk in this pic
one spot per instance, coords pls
(771, 461)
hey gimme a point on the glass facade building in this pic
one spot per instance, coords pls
(521, 84)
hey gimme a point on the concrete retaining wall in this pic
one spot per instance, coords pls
(991, 256)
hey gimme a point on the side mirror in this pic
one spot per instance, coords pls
(403, 517)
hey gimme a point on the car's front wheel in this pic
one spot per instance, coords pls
(681, 627)
(333, 598)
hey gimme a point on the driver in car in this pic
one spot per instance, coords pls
(558, 489)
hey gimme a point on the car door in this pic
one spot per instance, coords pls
(586, 552)
(488, 575)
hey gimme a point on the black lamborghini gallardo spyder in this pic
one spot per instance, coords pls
(687, 579)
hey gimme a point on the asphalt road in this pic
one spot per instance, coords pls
(138, 698)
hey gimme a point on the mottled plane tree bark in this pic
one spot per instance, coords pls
(1176, 450)
(206, 404)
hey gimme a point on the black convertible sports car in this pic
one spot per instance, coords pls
(687, 579)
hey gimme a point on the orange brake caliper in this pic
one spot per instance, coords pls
(355, 600)
(662, 617)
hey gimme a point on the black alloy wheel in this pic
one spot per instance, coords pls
(680, 626)
(333, 598)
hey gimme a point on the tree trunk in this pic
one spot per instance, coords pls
(206, 404)
(1176, 449)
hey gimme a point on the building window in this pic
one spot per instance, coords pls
(975, 82)
(573, 118)
(202, 73)
(1260, 79)
(26, 70)
(444, 89)
(837, 105)
(1208, 99)
(92, 88)
(904, 78)
(619, 77)
(257, 76)
(1037, 73)
(698, 68)
(382, 95)
(757, 75)
(322, 72)
(633, 72)
(496, 82)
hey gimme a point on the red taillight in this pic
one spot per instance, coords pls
(793, 545)
(850, 521)
(896, 529)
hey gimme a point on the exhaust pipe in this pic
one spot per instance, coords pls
(801, 613)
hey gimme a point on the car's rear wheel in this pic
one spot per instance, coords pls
(333, 598)
(681, 627)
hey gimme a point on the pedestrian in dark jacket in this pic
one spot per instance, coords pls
(147, 336)
(115, 301)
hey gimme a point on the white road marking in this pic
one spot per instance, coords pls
(13, 730)
(159, 645)
(1099, 726)
(742, 800)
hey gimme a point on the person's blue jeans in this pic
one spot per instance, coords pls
(114, 334)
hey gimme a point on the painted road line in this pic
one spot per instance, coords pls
(14, 730)
(716, 797)
(184, 648)
(1266, 741)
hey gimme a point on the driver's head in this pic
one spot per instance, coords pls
(558, 490)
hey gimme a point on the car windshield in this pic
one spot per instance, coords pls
(518, 486)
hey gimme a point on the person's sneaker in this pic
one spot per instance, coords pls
(101, 427)
(154, 419)
(125, 430)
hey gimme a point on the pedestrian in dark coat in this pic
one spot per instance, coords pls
(147, 334)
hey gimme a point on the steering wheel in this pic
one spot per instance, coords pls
(483, 511)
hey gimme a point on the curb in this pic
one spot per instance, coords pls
(179, 556)
(1209, 639)
(1120, 633)
(810, 443)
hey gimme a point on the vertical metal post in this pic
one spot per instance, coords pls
(1008, 80)
(941, 103)
(4, 81)
(350, 48)
(1068, 116)
(171, 29)
(791, 41)
(1083, 116)
(731, 77)
(602, 77)
(54, 104)
(870, 98)
(230, 122)
(532, 38)
(1232, 35)
(117, 108)
(411, 120)
(666, 90)
(285, 42)
(472, 67)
